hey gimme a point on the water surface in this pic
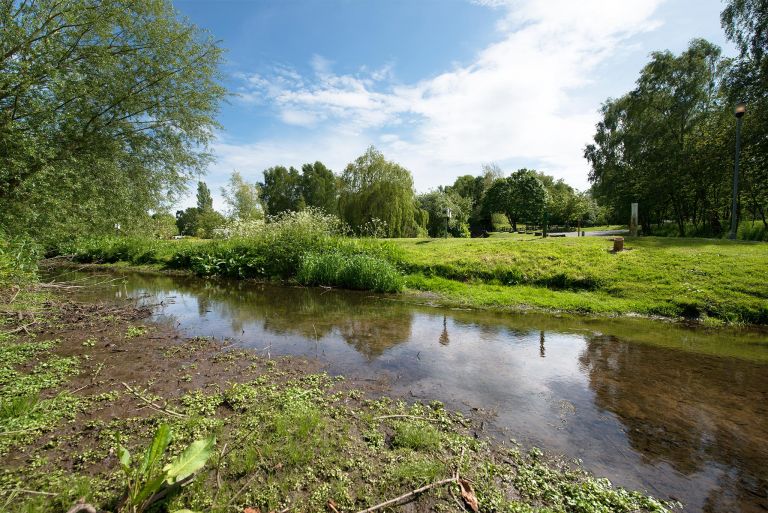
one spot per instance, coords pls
(679, 412)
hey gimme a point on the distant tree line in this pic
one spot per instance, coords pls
(669, 143)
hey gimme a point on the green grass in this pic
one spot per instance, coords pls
(718, 281)
(695, 278)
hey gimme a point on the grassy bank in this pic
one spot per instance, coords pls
(716, 281)
(694, 278)
(84, 380)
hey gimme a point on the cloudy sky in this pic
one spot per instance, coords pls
(440, 86)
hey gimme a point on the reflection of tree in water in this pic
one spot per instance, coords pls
(688, 410)
(369, 326)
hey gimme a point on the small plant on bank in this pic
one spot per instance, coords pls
(147, 483)
(135, 331)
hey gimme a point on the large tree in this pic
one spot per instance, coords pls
(106, 106)
(521, 197)
(374, 188)
(281, 190)
(437, 203)
(664, 144)
(746, 24)
(319, 187)
(204, 198)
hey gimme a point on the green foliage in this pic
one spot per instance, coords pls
(418, 436)
(243, 199)
(148, 482)
(375, 188)
(351, 271)
(281, 190)
(199, 223)
(319, 187)
(107, 107)
(310, 244)
(204, 198)
(683, 170)
(18, 260)
(163, 225)
(436, 204)
(521, 197)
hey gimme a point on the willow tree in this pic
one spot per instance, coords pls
(373, 187)
(106, 108)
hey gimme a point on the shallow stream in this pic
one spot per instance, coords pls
(677, 411)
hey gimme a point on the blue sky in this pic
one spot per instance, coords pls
(439, 86)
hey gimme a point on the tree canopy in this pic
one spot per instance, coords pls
(668, 143)
(373, 188)
(242, 198)
(106, 107)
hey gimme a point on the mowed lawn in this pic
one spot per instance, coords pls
(711, 279)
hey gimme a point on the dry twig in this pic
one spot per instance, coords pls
(153, 405)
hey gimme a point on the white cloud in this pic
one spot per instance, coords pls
(520, 102)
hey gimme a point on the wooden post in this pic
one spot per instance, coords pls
(633, 221)
(618, 244)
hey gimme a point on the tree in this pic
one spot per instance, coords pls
(281, 190)
(163, 225)
(187, 221)
(474, 188)
(435, 204)
(208, 221)
(204, 198)
(664, 143)
(319, 187)
(521, 197)
(375, 188)
(746, 24)
(242, 198)
(106, 106)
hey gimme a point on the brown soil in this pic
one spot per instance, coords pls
(159, 363)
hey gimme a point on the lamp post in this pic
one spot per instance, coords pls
(739, 112)
(447, 218)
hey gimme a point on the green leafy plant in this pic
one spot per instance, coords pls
(148, 482)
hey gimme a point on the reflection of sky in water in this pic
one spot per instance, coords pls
(645, 417)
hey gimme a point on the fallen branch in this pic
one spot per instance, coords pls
(409, 495)
(153, 405)
(20, 328)
(18, 289)
(407, 417)
(34, 492)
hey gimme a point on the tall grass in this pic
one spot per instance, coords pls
(355, 271)
(280, 248)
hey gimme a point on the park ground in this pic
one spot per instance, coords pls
(710, 280)
(78, 379)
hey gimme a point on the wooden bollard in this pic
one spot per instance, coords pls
(618, 244)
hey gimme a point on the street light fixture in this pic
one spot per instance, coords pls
(739, 112)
